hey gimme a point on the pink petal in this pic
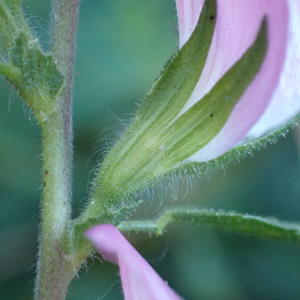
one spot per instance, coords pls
(237, 24)
(139, 280)
(188, 12)
(286, 99)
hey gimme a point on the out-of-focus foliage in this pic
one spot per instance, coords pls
(122, 45)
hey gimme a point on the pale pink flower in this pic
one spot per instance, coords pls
(139, 280)
(273, 97)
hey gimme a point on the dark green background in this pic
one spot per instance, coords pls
(122, 45)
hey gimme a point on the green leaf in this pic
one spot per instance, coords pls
(14, 5)
(38, 70)
(12, 22)
(268, 228)
(9, 11)
(11, 72)
(34, 74)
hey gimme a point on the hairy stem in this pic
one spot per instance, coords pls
(55, 271)
(65, 17)
(54, 274)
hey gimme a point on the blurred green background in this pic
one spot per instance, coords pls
(122, 45)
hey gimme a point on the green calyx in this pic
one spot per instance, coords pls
(202, 122)
(163, 103)
(158, 140)
(33, 73)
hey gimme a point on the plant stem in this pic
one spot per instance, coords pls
(54, 274)
(55, 271)
(65, 17)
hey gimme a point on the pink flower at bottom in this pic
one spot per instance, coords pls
(139, 280)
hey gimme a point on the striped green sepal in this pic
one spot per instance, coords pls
(159, 150)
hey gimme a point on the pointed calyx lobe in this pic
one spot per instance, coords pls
(33, 73)
(139, 280)
(162, 134)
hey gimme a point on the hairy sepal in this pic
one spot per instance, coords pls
(167, 97)
(157, 152)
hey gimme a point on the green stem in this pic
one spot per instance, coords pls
(65, 17)
(54, 272)
(55, 268)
